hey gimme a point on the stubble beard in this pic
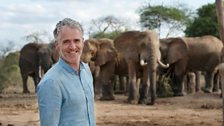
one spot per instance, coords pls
(73, 58)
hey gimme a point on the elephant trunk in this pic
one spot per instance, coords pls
(162, 64)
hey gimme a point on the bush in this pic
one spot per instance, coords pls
(9, 74)
(164, 88)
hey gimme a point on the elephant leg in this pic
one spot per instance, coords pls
(132, 91)
(144, 87)
(36, 80)
(152, 87)
(216, 83)
(122, 83)
(25, 88)
(126, 86)
(107, 81)
(209, 78)
(96, 82)
(132, 84)
(97, 86)
(178, 86)
(116, 78)
(198, 82)
(191, 82)
(143, 91)
(107, 91)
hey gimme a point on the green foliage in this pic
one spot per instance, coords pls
(111, 35)
(164, 88)
(205, 23)
(9, 74)
(152, 17)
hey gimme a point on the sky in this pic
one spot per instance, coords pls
(19, 18)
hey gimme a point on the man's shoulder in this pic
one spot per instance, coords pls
(55, 70)
(53, 73)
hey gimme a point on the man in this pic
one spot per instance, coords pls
(65, 94)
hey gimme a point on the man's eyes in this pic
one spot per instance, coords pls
(66, 41)
(75, 41)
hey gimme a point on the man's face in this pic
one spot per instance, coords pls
(70, 45)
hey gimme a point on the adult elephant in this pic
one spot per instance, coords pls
(121, 73)
(34, 60)
(141, 51)
(103, 53)
(193, 82)
(219, 69)
(191, 54)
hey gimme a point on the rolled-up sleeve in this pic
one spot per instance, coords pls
(49, 103)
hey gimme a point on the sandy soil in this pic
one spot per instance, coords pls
(198, 109)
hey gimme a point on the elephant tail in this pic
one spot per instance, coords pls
(162, 64)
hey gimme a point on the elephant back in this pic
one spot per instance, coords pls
(208, 42)
(125, 43)
(206, 49)
(28, 52)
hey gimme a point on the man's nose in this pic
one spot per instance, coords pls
(72, 45)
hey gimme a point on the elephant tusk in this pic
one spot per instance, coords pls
(40, 72)
(143, 63)
(163, 65)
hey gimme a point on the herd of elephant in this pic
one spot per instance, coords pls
(138, 56)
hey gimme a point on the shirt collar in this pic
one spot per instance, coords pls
(68, 68)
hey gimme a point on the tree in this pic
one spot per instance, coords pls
(38, 37)
(154, 17)
(4, 50)
(220, 17)
(111, 35)
(205, 23)
(106, 26)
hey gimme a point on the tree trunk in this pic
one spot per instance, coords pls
(220, 15)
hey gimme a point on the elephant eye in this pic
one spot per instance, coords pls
(92, 53)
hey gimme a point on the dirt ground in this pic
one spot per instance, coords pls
(198, 109)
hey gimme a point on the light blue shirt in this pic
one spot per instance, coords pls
(66, 97)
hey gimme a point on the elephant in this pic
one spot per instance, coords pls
(103, 53)
(34, 60)
(220, 70)
(191, 54)
(121, 72)
(141, 52)
(191, 84)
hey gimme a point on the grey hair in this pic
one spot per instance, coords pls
(67, 22)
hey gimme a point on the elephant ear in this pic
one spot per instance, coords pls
(106, 52)
(89, 50)
(54, 51)
(177, 50)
